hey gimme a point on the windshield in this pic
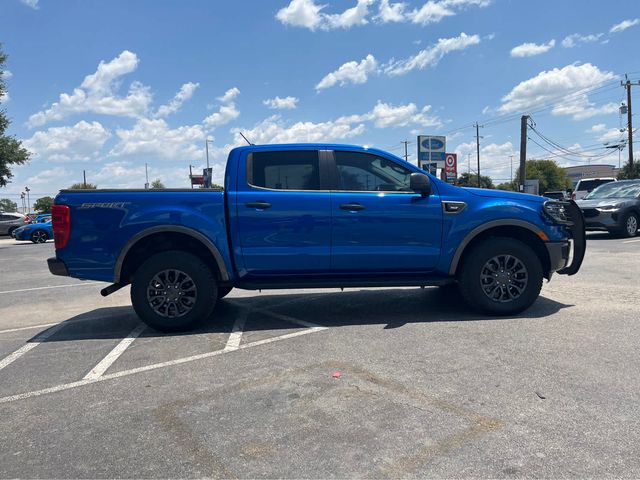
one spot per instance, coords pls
(589, 185)
(616, 190)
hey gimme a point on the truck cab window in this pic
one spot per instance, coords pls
(370, 173)
(285, 170)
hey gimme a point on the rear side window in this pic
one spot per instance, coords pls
(287, 170)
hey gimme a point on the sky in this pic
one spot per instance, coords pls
(107, 86)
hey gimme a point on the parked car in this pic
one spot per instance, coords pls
(42, 218)
(556, 194)
(36, 232)
(9, 221)
(586, 185)
(313, 216)
(614, 207)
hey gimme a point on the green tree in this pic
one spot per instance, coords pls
(627, 173)
(8, 205)
(157, 183)
(83, 186)
(508, 186)
(11, 150)
(549, 174)
(43, 205)
(471, 180)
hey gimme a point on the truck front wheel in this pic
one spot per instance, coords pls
(500, 276)
(174, 291)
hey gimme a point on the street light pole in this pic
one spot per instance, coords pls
(27, 189)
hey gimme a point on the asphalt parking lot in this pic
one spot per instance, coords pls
(424, 386)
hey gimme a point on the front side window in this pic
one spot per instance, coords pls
(366, 172)
(286, 170)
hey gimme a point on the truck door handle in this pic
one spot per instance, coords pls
(352, 206)
(258, 205)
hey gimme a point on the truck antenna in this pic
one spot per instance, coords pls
(245, 139)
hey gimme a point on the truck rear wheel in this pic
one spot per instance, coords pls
(500, 276)
(174, 291)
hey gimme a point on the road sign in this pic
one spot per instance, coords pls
(431, 149)
(451, 166)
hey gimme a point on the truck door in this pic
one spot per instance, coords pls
(379, 223)
(283, 215)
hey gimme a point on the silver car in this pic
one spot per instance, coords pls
(9, 221)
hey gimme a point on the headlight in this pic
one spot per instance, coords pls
(557, 212)
(608, 208)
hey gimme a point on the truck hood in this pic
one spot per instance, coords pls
(483, 192)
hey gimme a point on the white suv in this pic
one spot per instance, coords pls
(585, 185)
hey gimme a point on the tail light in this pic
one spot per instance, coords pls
(27, 219)
(61, 219)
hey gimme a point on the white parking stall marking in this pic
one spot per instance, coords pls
(233, 342)
(84, 284)
(9, 359)
(632, 241)
(32, 327)
(155, 366)
(113, 355)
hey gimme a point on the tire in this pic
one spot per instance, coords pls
(10, 231)
(496, 260)
(195, 296)
(629, 225)
(223, 292)
(39, 236)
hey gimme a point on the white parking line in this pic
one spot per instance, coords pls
(632, 241)
(32, 327)
(84, 284)
(155, 366)
(113, 355)
(9, 359)
(233, 342)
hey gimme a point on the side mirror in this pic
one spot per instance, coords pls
(420, 183)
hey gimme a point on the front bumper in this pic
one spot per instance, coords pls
(57, 267)
(594, 219)
(558, 255)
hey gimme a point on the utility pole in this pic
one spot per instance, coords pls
(523, 152)
(191, 176)
(627, 85)
(24, 208)
(146, 174)
(84, 178)
(27, 189)
(478, 137)
(406, 152)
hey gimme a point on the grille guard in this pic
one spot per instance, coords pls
(578, 237)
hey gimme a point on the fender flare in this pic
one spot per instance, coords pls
(507, 222)
(222, 268)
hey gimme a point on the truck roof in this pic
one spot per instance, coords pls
(309, 146)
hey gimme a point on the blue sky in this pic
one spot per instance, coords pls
(105, 86)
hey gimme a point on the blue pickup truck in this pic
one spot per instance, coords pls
(313, 216)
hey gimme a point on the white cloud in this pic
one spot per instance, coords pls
(227, 111)
(53, 179)
(431, 12)
(183, 95)
(31, 3)
(350, 72)
(6, 75)
(559, 86)
(80, 142)
(301, 13)
(275, 130)
(96, 94)
(431, 55)
(606, 135)
(575, 39)
(391, 12)
(351, 17)
(229, 95)
(495, 159)
(384, 115)
(619, 27)
(277, 103)
(154, 138)
(531, 49)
